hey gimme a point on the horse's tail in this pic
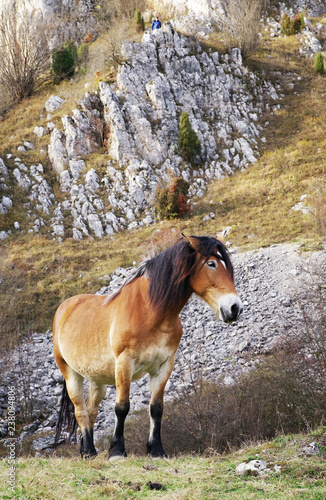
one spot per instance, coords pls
(67, 420)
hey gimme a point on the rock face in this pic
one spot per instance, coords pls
(214, 9)
(162, 77)
(313, 8)
(77, 16)
(205, 8)
(51, 7)
(138, 120)
(267, 281)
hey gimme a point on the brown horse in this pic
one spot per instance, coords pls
(117, 339)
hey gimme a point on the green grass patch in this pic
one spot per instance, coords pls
(184, 477)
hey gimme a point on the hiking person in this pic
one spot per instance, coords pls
(156, 24)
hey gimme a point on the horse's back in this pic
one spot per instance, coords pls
(75, 309)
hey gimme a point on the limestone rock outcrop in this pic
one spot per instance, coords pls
(137, 120)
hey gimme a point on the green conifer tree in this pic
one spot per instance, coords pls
(188, 142)
(63, 64)
(319, 63)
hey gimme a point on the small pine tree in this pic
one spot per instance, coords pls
(63, 64)
(188, 142)
(285, 24)
(319, 63)
(139, 21)
(72, 47)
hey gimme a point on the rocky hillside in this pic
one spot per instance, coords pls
(138, 119)
(135, 120)
(213, 9)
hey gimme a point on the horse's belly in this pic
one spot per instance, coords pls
(94, 366)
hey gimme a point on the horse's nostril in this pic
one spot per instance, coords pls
(235, 310)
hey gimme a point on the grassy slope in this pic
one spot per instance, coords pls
(186, 477)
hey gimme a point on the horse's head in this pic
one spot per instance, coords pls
(212, 278)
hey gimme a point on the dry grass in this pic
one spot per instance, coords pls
(258, 203)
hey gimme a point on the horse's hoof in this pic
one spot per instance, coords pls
(117, 451)
(156, 451)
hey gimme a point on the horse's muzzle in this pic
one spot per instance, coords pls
(230, 308)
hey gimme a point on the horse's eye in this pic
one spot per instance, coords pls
(212, 264)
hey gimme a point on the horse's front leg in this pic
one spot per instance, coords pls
(157, 386)
(123, 374)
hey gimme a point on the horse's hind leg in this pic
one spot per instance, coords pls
(96, 393)
(157, 386)
(75, 388)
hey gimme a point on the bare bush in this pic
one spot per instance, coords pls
(120, 31)
(241, 24)
(24, 56)
(305, 344)
(320, 212)
(23, 382)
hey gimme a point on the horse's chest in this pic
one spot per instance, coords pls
(152, 360)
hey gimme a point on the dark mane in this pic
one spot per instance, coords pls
(169, 271)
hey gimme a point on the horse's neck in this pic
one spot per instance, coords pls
(168, 321)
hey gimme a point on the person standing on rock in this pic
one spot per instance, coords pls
(156, 24)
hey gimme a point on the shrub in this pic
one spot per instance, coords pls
(139, 21)
(319, 63)
(72, 47)
(118, 10)
(24, 60)
(172, 202)
(285, 25)
(241, 24)
(120, 31)
(188, 142)
(63, 64)
(291, 26)
(89, 38)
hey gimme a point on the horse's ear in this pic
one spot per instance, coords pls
(192, 241)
